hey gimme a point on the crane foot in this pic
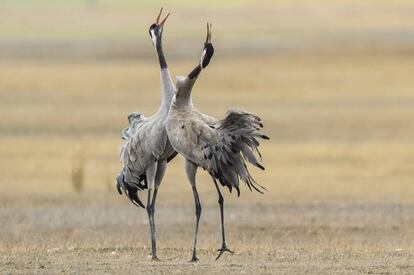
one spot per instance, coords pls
(155, 258)
(194, 259)
(222, 250)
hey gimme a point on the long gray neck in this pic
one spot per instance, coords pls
(167, 89)
(160, 53)
(167, 86)
(183, 96)
(195, 72)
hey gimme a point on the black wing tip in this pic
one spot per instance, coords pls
(260, 166)
(135, 200)
(257, 189)
(265, 137)
(119, 189)
(138, 203)
(130, 192)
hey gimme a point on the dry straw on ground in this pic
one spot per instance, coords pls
(339, 165)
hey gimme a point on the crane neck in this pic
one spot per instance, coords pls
(160, 53)
(184, 88)
(167, 89)
(193, 75)
(167, 86)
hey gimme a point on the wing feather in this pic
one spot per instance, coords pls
(223, 147)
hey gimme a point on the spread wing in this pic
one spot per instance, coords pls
(223, 149)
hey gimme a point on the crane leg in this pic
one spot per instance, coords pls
(150, 211)
(155, 173)
(221, 203)
(191, 169)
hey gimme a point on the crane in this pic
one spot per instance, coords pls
(146, 149)
(221, 147)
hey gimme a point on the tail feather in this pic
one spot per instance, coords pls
(131, 191)
(127, 181)
(239, 133)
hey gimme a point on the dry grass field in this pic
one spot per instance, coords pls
(339, 165)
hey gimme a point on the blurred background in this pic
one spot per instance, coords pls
(332, 80)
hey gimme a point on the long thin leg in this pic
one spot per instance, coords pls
(191, 169)
(221, 203)
(151, 173)
(159, 174)
(150, 212)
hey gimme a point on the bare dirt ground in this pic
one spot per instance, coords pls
(105, 235)
(339, 170)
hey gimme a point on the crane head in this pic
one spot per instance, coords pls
(206, 55)
(208, 50)
(184, 84)
(155, 30)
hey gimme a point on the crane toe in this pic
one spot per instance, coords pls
(155, 258)
(222, 250)
(194, 259)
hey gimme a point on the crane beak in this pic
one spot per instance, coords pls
(165, 19)
(208, 36)
(157, 22)
(158, 17)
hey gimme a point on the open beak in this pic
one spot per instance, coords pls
(208, 37)
(163, 21)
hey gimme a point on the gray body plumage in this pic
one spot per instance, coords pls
(146, 143)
